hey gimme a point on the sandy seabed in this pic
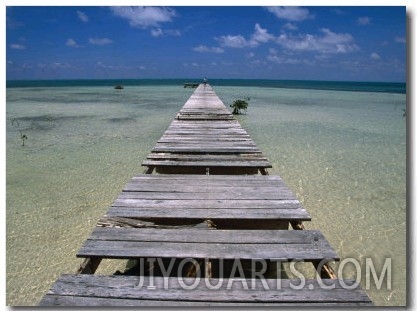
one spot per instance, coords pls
(342, 153)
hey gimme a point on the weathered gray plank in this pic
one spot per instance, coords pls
(205, 213)
(187, 235)
(206, 157)
(208, 184)
(200, 131)
(209, 138)
(205, 117)
(58, 300)
(208, 204)
(227, 124)
(205, 127)
(131, 290)
(232, 178)
(203, 149)
(264, 189)
(133, 243)
(208, 144)
(282, 194)
(255, 164)
(175, 187)
(135, 250)
(205, 113)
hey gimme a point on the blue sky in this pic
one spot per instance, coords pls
(310, 43)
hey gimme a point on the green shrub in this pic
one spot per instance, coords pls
(239, 105)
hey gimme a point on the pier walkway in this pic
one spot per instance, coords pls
(211, 228)
(205, 137)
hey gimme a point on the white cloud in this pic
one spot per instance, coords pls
(275, 58)
(27, 66)
(193, 64)
(143, 17)
(365, 20)
(260, 35)
(232, 41)
(102, 65)
(72, 43)
(250, 55)
(290, 26)
(156, 32)
(328, 43)
(206, 49)
(82, 16)
(290, 13)
(100, 41)
(112, 67)
(17, 46)
(375, 56)
(54, 66)
(283, 60)
(400, 40)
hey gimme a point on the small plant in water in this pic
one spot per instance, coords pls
(239, 105)
(23, 137)
(15, 122)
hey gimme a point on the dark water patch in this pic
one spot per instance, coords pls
(43, 122)
(51, 118)
(121, 120)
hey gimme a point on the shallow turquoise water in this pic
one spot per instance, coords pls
(342, 153)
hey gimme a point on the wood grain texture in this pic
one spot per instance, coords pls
(107, 242)
(208, 197)
(94, 290)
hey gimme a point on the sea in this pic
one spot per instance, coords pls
(72, 145)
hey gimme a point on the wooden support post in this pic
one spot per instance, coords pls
(193, 269)
(263, 171)
(149, 170)
(89, 266)
(208, 269)
(325, 270)
(297, 225)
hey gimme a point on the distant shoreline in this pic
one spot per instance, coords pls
(384, 87)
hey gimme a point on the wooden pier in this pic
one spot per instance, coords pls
(205, 137)
(199, 228)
